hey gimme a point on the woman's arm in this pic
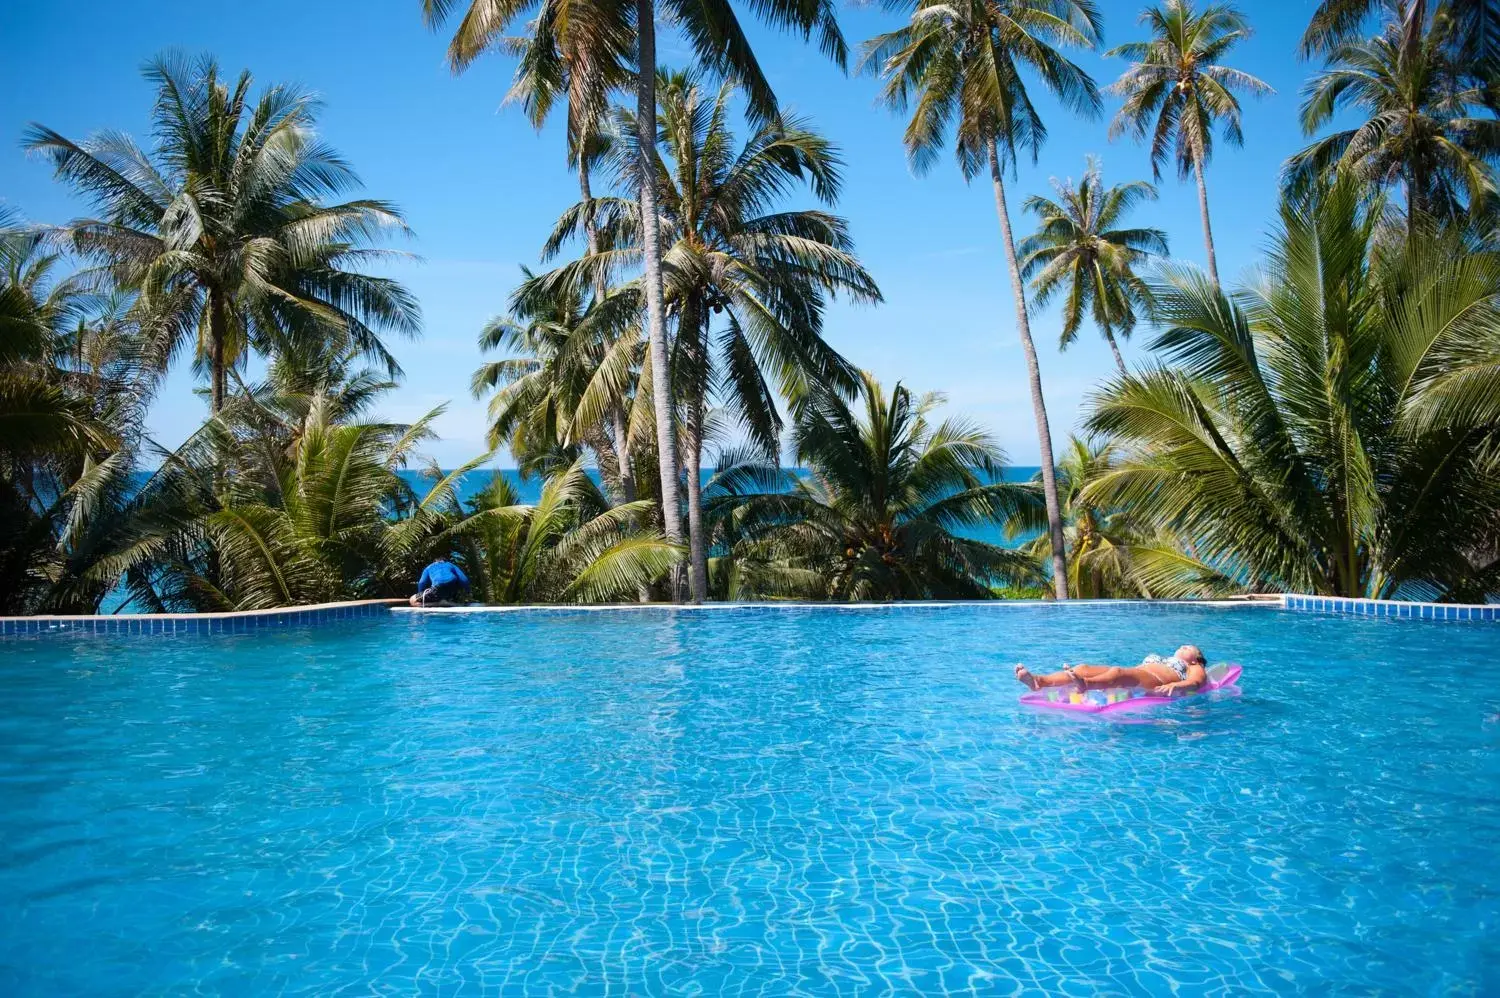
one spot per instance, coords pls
(1197, 676)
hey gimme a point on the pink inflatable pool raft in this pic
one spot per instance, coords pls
(1220, 677)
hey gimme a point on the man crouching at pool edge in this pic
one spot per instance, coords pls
(442, 584)
(1185, 672)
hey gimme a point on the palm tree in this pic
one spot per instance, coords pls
(719, 44)
(1424, 126)
(577, 52)
(731, 252)
(1473, 38)
(41, 413)
(572, 546)
(1332, 429)
(878, 514)
(567, 375)
(1178, 89)
(227, 231)
(1074, 247)
(1100, 540)
(294, 495)
(73, 395)
(278, 501)
(961, 65)
(1112, 553)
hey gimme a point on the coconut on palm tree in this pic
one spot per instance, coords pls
(1077, 250)
(230, 230)
(960, 66)
(1178, 91)
(881, 511)
(1420, 123)
(1332, 429)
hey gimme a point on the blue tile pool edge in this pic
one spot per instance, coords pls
(233, 622)
(1391, 608)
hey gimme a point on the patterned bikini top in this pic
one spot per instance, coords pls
(1174, 663)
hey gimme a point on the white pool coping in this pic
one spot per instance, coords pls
(246, 621)
(803, 605)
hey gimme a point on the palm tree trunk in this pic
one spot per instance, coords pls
(622, 450)
(697, 542)
(1114, 348)
(1034, 372)
(691, 356)
(218, 330)
(624, 481)
(627, 476)
(1208, 232)
(1416, 197)
(624, 468)
(661, 379)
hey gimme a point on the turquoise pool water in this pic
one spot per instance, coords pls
(752, 801)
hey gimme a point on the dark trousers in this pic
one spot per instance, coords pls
(448, 592)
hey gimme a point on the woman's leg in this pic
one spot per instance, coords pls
(1117, 678)
(1089, 675)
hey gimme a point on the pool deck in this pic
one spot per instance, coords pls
(244, 621)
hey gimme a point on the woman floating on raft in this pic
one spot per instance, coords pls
(1185, 672)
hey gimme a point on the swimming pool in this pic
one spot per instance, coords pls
(747, 801)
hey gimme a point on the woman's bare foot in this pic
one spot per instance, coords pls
(1025, 676)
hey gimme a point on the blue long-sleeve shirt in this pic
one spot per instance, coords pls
(440, 573)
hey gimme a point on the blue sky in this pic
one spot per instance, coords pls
(481, 188)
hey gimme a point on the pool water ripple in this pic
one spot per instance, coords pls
(758, 802)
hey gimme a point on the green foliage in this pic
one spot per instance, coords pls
(959, 66)
(284, 498)
(72, 392)
(1422, 123)
(1114, 552)
(1334, 428)
(730, 250)
(582, 49)
(878, 513)
(1020, 592)
(230, 231)
(1472, 27)
(1178, 90)
(569, 374)
(287, 497)
(574, 50)
(571, 547)
(1076, 249)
